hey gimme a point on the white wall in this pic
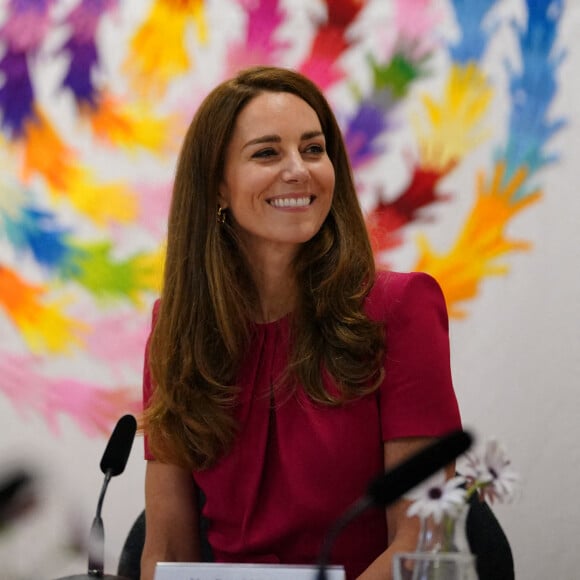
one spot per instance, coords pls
(516, 357)
(515, 363)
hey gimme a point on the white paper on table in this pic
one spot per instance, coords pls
(215, 571)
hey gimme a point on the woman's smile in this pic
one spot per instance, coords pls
(291, 202)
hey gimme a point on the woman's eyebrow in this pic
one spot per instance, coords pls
(311, 135)
(263, 139)
(277, 139)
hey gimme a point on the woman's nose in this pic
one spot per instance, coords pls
(295, 169)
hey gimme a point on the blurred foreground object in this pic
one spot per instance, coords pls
(18, 495)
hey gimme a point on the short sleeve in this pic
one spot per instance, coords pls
(147, 384)
(416, 398)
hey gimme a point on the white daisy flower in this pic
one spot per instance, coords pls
(491, 473)
(437, 497)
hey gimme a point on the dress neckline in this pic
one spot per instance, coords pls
(282, 320)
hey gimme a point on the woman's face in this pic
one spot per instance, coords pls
(278, 180)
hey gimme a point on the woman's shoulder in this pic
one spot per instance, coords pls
(396, 282)
(392, 288)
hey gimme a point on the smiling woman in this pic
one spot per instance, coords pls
(282, 369)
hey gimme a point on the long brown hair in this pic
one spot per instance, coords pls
(203, 324)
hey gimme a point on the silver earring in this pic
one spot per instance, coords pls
(221, 215)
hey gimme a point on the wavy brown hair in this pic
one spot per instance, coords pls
(209, 299)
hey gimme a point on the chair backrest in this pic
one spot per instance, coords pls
(487, 540)
(130, 558)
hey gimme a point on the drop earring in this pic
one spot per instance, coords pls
(221, 215)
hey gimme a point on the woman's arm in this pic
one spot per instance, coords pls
(403, 531)
(171, 517)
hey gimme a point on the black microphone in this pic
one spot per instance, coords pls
(112, 463)
(393, 484)
(119, 446)
(390, 486)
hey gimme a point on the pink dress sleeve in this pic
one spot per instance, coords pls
(147, 385)
(417, 396)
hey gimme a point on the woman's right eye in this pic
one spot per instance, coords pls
(264, 153)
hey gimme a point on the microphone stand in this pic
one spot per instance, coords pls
(96, 564)
(112, 463)
(357, 508)
(97, 535)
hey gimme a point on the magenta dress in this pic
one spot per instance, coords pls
(297, 465)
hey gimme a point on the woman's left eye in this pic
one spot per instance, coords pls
(315, 149)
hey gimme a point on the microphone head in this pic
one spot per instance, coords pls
(393, 484)
(119, 446)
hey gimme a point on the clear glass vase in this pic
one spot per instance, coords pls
(442, 552)
(434, 566)
(447, 535)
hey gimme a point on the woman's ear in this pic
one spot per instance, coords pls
(222, 196)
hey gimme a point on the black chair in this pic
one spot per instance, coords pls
(486, 537)
(130, 560)
(487, 540)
